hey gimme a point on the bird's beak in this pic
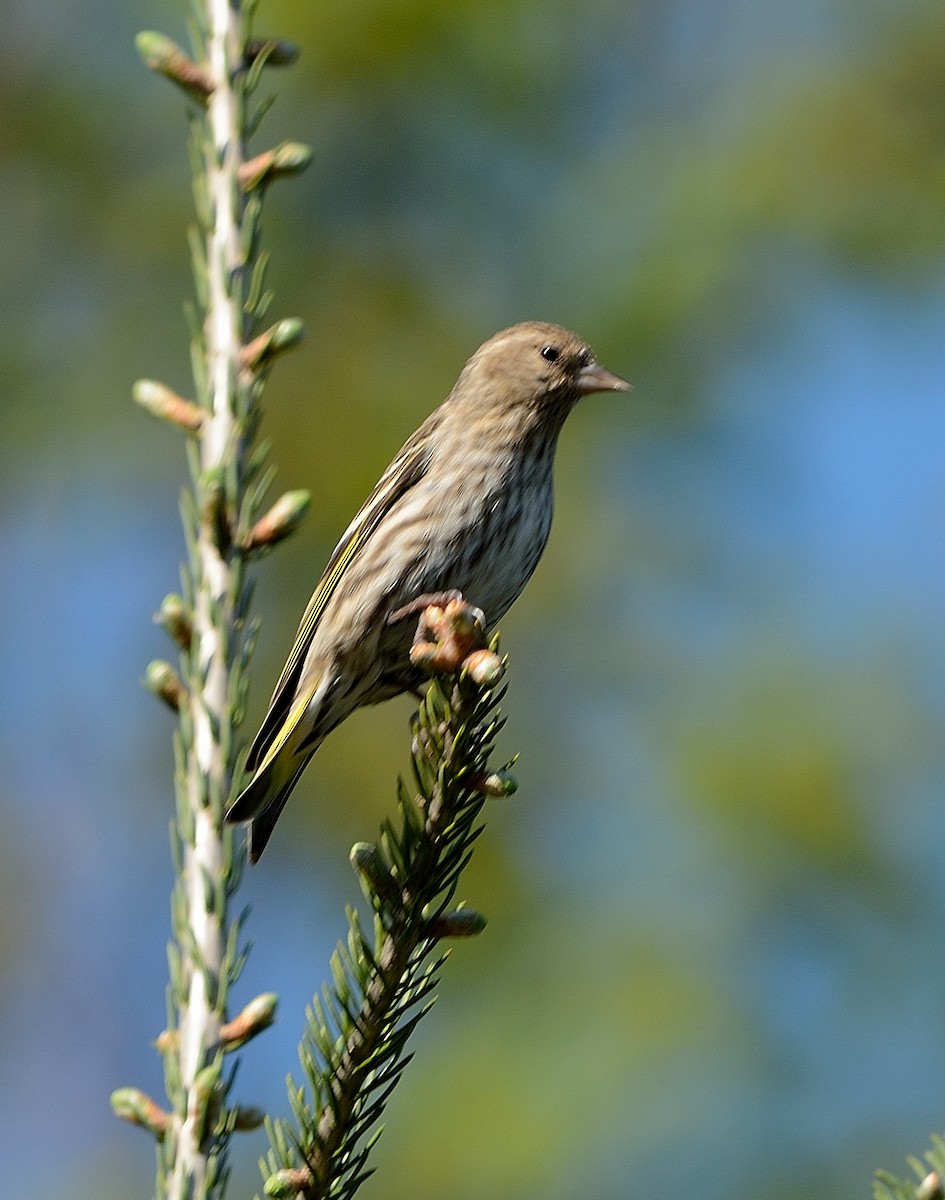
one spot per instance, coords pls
(595, 378)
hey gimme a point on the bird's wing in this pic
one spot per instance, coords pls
(407, 469)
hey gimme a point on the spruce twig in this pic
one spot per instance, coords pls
(209, 621)
(354, 1047)
(384, 978)
(927, 1184)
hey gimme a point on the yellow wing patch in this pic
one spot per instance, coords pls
(285, 732)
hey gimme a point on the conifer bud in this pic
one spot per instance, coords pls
(165, 404)
(289, 158)
(288, 1182)
(162, 680)
(163, 55)
(375, 876)
(484, 668)
(258, 1015)
(131, 1104)
(174, 619)
(207, 1097)
(167, 1041)
(284, 335)
(458, 923)
(215, 511)
(497, 784)
(245, 1118)
(285, 516)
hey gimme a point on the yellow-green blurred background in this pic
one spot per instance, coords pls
(714, 962)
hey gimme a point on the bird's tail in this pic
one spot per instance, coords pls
(265, 796)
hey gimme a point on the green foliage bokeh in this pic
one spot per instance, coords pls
(727, 756)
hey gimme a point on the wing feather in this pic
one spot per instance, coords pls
(405, 472)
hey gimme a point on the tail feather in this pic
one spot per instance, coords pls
(287, 752)
(264, 797)
(263, 823)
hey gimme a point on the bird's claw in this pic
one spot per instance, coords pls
(447, 633)
(427, 600)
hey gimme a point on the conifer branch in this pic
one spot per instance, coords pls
(929, 1174)
(210, 622)
(384, 981)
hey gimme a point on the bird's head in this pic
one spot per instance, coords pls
(536, 366)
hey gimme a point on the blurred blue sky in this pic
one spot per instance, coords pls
(714, 958)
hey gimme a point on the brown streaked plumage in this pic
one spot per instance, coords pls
(465, 506)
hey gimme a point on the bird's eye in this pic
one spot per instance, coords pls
(550, 353)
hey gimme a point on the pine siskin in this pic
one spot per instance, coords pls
(464, 507)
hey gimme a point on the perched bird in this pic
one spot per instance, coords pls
(465, 507)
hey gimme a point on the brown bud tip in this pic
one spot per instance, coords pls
(290, 158)
(162, 680)
(131, 1104)
(160, 401)
(285, 516)
(284, 335)
(288, 1182)
(174, 618)
(484, 668)
(163, 55)
(458, 923)
(258, 1015)
(245, 1118)
(167, 1041)
(930, 1188)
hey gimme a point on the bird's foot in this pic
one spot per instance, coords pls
(431, 600)
(449, 631)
